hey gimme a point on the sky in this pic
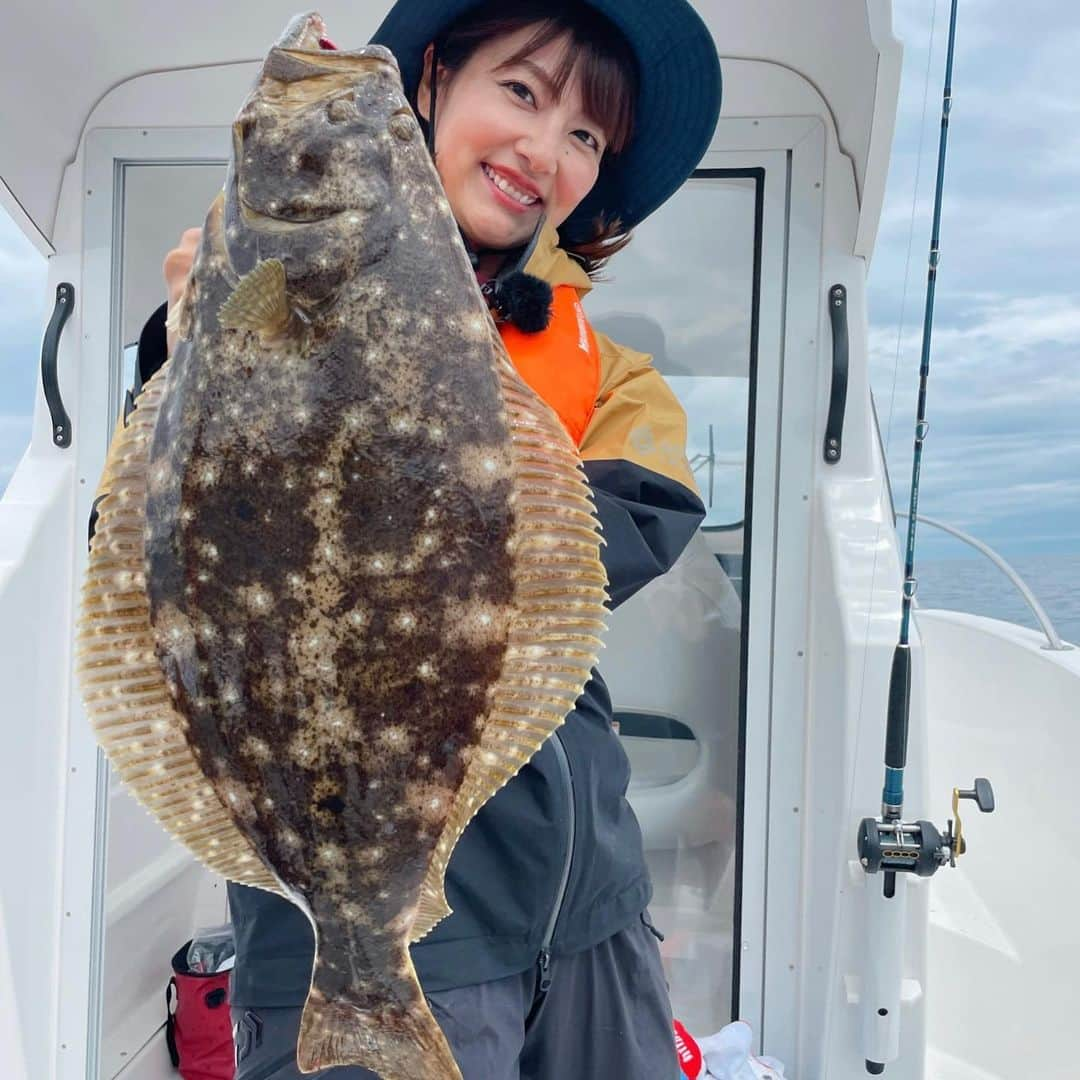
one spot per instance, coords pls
(1003, 457)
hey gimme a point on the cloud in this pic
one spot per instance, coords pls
(1003, 455)
(23, 277)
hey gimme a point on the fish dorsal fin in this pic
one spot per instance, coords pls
(553, 641)
(123, 686)
(259, 302)
(178, 321)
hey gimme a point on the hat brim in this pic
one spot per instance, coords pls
(678, 102)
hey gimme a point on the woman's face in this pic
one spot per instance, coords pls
(506, 147)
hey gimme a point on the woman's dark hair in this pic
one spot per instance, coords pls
(608, 73)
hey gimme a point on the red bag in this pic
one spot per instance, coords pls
(198, 1029)
(690, 1060)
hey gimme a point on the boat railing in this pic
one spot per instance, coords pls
(1053, 638)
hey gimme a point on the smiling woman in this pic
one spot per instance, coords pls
(529, 103)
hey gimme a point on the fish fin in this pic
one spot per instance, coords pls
(433, 906)
(400, 1042)
(259, 301)
(178, 321)
(123, 686)
(554, 635)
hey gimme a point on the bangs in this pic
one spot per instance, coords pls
(608, 84)
(595, 51)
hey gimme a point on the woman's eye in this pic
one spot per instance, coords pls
(520, 90)
(588, 138)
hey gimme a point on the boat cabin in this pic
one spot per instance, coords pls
(750, 682)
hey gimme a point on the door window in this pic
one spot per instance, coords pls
(684, 292)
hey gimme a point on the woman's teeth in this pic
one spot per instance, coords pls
(507, 188)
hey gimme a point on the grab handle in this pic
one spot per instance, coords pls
(834, 427)
(61, 422)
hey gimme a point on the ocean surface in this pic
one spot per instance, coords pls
(979, 587)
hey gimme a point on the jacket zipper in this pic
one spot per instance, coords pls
(544, 960)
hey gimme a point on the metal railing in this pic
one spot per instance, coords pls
(1052, 636)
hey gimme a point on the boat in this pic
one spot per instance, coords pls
(751, 682)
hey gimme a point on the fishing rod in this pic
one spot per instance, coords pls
(888, 845)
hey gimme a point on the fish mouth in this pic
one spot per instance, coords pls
(307, 31)
(253, 217)
(307, 35)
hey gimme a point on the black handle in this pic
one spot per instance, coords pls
(982, 795)
(171, 996)
(834, 427)
(61, 422)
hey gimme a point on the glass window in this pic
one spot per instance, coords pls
(160, 202)
(674, 653)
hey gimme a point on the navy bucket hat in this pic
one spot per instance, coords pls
(677, 106)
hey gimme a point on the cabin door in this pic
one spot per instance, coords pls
(144, 895)
(720, 287)
(704, 289)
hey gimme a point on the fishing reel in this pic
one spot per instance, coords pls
(919, 847)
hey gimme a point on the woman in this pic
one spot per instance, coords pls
(556, 127)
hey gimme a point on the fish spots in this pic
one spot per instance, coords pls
(302, 751)
(258, 750)
(175, 635)
(352, 911)
(256, 598)
(482, 468)
(395, 737)
(476, 622)
(379, 565)
(331, 855)
(430, 802)
(206, 475)
(289, 839)
(238, 799)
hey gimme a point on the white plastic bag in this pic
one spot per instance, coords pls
(728, 1056)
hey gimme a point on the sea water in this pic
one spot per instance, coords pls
(977, 586)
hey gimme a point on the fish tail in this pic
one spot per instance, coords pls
(398, 1042)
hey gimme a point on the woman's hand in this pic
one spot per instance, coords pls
(176, 268)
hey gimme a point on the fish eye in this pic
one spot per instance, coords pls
(342, 108)
(402, 125)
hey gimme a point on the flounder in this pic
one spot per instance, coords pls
(345, 579)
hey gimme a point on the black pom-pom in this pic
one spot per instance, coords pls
(524, 300)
